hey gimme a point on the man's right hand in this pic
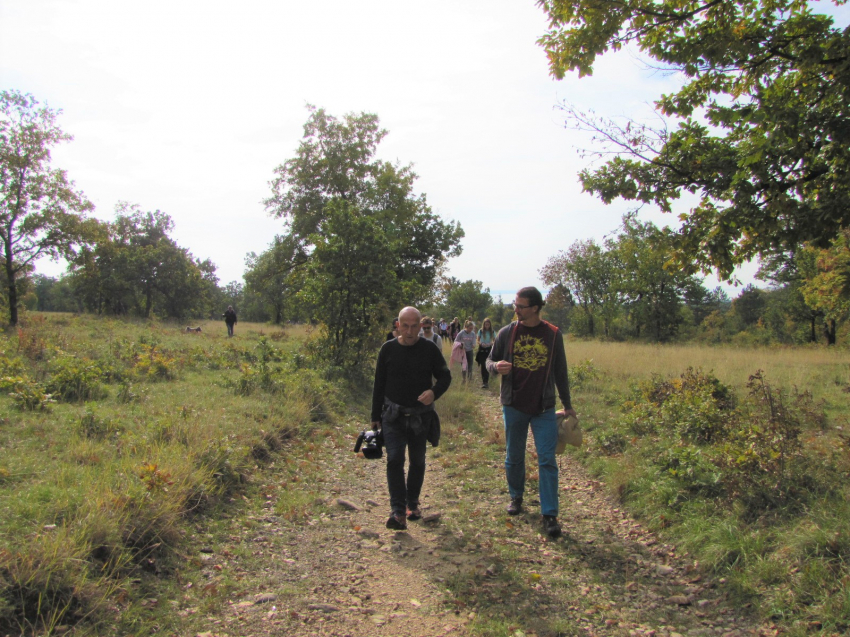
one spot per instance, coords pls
(503, 367)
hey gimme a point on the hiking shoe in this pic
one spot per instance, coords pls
(551, 526)
(414, 513)
(515, 507)
(397, 522)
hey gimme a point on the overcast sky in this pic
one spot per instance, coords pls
(188, 106)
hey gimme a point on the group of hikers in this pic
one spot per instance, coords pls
(411, 374)
(463, 342)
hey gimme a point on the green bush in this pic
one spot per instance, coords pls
(95, 427)
(75, 379)
(29, 395)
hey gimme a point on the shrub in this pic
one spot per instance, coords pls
(75, 379)
(92, 426)
(154, 365)
(583, 372)
(29, 395)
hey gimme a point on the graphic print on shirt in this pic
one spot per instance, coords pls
(530, 353)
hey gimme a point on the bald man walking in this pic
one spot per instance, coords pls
(410, 375)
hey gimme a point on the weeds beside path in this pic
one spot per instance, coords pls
(311, 556)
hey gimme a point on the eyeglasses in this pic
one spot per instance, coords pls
(521, 307)
(426, 325)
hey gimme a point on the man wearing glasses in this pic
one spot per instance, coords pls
(529, 356)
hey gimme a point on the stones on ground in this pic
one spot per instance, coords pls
(348, 505)
(368, 533)
(432, 517)
(324, 608)
(265, 598)
(664, 570)
(681, 600)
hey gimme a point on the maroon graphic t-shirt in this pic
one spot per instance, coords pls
(532, 348)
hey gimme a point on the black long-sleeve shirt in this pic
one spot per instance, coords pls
(403, 372)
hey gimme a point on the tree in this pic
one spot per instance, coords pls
(829, 290)
(763, 134)
(790, 273)
(275, 276)
(41, 212)
(749, 305)
(587, 272)
(350, 282)
(559, 305)
(53, 295)
(335, 183)
(652, 290)
(466, 299)
(139, 268)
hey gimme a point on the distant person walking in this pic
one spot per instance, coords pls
(410, 375)
(229, 319)
(529, 355)
(427, 332)
(486, 336)
(394, 333)
(467, 338)
(454, 329)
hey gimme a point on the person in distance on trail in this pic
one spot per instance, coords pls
(529, 356)
(230, 319)
(454, 328)
(485, 344)
(467, 338)
(429, 334)
(410, 375)
(394, 333)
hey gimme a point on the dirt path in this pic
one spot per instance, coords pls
(472, 571)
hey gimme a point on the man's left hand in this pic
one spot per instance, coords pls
(426, 397)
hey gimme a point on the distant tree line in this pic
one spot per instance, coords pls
(357, 244)
(629, 288)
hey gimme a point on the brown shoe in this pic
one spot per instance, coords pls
(397, 522)
(414, 513)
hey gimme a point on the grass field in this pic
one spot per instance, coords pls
(750, 475)
(116, 436)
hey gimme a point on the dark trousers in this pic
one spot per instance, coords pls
(230, 328)
(398, 436)
(485, 375)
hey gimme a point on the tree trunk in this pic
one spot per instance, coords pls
(829, 331)
(10, 276)
(13, 293)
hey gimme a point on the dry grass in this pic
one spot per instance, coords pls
(823, 371)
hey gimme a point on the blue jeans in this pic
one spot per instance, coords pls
(398, 437)
(544, 428)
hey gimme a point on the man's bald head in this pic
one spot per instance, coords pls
(407, 310)
(408, 325)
